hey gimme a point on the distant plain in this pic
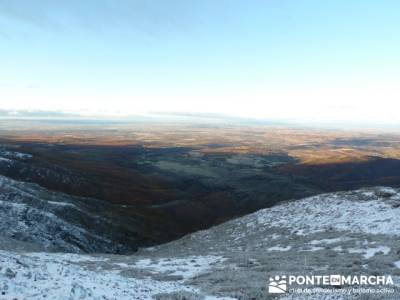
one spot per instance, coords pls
(188, 176)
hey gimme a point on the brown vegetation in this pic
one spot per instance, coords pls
(189, 176)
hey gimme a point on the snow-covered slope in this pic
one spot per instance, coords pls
(348, 233)
(71, 276)
(56, 221)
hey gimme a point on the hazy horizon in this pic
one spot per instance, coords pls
(187, 118)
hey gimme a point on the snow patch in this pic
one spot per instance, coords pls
(187, 267)
(314, 248)
(341, 212)
(61, 203)
(279, 248)
(328, 241)
(14, 154)
(31, 277)
(370, 252)
(3, 159)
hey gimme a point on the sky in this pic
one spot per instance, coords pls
(293, 60)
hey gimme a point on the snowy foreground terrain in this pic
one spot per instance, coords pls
(348, 233)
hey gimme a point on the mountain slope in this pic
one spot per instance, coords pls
(57, 221)
(349, 233)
